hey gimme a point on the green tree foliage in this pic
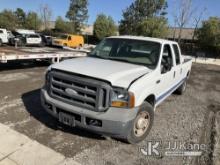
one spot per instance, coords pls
(209, 34)
(21, 16)
(78, 13)
(153, 27)
(19, 19)
(63, 26)
(8, 20)
(139, 11)
(33, 22)
(104, 26)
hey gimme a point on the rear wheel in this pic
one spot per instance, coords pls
(0, 42)
(142, 124)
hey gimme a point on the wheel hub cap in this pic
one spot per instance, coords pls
(141, 124)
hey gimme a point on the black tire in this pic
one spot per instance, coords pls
(132, 137)
(0, 42)
(182, 88)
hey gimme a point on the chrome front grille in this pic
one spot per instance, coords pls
(79, 90)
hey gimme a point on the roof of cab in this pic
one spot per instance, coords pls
(162, 41)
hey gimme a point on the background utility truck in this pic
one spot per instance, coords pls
(115, 90)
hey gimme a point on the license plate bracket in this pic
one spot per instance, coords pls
(67, 119)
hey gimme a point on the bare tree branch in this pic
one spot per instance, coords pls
(46, 14)
(197, 21)
(183, 15)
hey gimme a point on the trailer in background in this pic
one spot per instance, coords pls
(53, 55)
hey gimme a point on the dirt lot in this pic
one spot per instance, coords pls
(189, 118)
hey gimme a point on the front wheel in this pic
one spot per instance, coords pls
(142, 124)
(0, 42)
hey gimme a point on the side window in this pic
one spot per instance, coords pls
(1, 31)
(167, 59)
(177, 54)
(69, 38)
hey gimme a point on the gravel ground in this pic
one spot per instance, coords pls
(216, 154)
(190, 118)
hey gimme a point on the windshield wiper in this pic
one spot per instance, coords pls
(127, 61)
(116, 59)
(122, 60)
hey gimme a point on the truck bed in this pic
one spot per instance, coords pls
(8, 53)
(187, 60)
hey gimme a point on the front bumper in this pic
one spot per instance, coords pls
(116, 122)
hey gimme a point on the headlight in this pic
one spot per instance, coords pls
(122, 98)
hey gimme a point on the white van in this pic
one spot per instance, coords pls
(3, 36)
(33, 39)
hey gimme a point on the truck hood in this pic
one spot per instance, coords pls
(119, 74)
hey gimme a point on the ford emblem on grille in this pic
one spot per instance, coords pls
(70, 91)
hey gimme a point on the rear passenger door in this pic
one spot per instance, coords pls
(178, 66)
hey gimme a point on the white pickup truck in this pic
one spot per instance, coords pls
(115, 90)
(3, 36)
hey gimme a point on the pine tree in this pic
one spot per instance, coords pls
(78, 13)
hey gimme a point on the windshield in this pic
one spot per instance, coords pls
(63, 37)
(128, 50)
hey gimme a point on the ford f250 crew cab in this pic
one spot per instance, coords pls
(116, 88)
